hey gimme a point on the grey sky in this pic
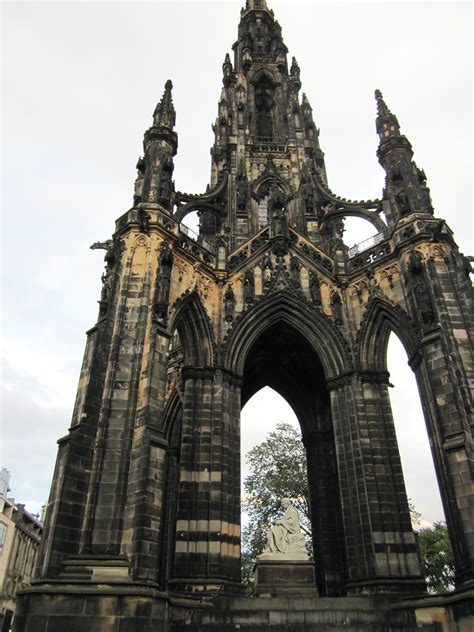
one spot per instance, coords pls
(80, 82)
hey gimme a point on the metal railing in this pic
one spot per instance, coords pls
(365, 245)
(192, 234)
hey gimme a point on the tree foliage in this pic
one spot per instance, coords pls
(437, 557)
(277, 470)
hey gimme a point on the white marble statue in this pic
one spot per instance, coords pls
(284, 538)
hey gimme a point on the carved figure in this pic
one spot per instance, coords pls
(285, 536)
(425, 192)
(104, 294)
(424, 304)
(242, 194)
(307, 195)
(402, 202)
(415, 263)
(315, 288)
(144, 220)
(102, 245)
(110, 247)
(295, 69)
(421, 294)
(267, 267)
(249, 286)
(295, 267)
(138, 192)
(336, 308)
(163, 281)
(229, 304)
(327, 207)
(165, 187)
(276, 212)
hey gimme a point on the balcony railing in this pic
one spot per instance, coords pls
(192, 234)
(365, 245)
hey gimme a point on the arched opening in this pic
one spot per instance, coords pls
(413, 442)
(191, 323)
(192, 221)
(283, 359)
(357, 230)
(264, 104)
(273, 467)
(189, 348)
(259, 416)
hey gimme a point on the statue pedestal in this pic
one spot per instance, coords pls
(278, 575)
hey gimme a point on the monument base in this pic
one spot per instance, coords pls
(280, 576)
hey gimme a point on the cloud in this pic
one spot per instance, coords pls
(28, 433)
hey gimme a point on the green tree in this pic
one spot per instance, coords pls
(277, 470)
(437, 557)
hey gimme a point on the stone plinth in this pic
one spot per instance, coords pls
(275, 575)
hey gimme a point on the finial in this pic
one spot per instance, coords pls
(227, 71)
(305, 103)
(164, 114)
(386, 123)
(295, 69)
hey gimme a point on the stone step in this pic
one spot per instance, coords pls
(290, 614)
(302, 627)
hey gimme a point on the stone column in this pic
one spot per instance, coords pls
(380, 544)
(207, 554)
(325, 499)
(444, 369)
(452, 448)
(147, 477)
(326, 519)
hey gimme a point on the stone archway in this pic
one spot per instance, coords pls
(283, 359)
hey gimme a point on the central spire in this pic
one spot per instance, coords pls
(265, 138)
(256, 4)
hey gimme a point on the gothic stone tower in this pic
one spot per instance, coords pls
(145, 501)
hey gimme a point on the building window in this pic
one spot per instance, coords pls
(3, 533)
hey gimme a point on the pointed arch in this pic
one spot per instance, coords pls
(380, 319)
(347, 211)
(322, 335)
(262, 185)
(263, 74)
(173, 419)
(195, 330)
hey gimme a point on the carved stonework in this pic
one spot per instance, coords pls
(144, 220)
(295, 268)
(284, 538)
(315, 289)
(267, 270)
(248, 283)
(421, 294)
(229, 304)
(336, 308)
(163, 280)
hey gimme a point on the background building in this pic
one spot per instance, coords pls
(20, 536)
